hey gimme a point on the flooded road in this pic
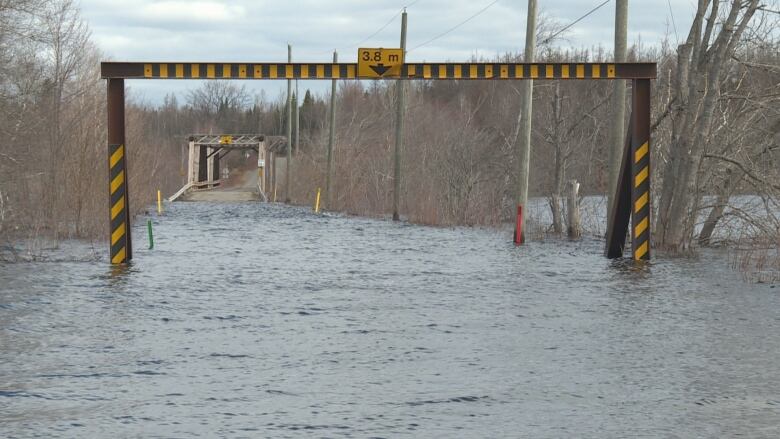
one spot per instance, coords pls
(253, 320)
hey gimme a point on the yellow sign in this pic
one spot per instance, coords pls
(380, 63)
(227, 140)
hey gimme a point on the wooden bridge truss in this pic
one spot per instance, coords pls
(206, 151)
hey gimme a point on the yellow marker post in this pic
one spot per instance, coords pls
(159, 202)
(317, 202)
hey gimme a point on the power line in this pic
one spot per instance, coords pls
(548, 39)
(674, 26)
(392, 19)
(386, 24)
(454, 27)
(377, 31)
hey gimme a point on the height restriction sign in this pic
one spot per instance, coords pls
(380, 63)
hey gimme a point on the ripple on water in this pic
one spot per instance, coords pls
(256, 320)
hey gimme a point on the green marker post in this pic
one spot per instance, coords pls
(151, 235)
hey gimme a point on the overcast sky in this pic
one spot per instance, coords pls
(258, 30)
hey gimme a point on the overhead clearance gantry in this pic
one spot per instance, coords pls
(632, 195)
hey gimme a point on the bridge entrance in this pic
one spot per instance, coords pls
(205, 154)
(632, 194)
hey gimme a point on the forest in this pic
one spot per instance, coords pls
(715, 130)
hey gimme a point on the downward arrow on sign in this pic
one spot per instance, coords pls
(380, 69)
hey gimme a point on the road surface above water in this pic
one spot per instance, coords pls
(256, 320)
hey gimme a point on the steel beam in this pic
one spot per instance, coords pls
(120, 242)
(632, 195)
(640, 169)
(458, 71)
(620, 215)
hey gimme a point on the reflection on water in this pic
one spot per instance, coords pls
(251, 320)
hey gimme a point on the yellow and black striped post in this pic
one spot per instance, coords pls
(632, 194)
(121, 249)
(640, 170)
(117, 176)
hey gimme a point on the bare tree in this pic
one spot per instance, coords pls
(702, 61)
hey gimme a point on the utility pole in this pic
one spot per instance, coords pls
(524, 137)
(297, 119)
(287, 175)
(617, 128)
(399, 128)
(331, 137)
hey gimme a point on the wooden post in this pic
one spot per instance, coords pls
(261, 167)
(270, 167)
(273, 177)
(617, 128)
(574, 229)
(209, 164)
(331, 139)
(526, 107)
(192, 164)
(203, 160)
(215, 167)
(297, 144)
(288, 174)
(399, 129)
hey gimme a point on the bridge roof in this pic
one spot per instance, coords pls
(276, 144)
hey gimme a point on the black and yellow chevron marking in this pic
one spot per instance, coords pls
(118, 204)
(250, 71)
(640, 201)
(408, 71)
(507, 71)
(349, 70)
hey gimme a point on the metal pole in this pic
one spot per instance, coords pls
(287, 175)
(524, 137)
(617, 129)
(120, 242)
(331, 138)
(399, 129)
(640, 163)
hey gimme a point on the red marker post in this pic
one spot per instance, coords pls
(519, 238)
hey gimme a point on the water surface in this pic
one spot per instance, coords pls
(255, 320)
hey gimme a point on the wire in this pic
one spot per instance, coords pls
(392, 19)
(454, 27)
(375, 33)
(674, 26)
(548, 39)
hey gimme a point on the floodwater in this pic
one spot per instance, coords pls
(255, 320)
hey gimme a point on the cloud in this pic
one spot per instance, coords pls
(259, 30)
(186, 12)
